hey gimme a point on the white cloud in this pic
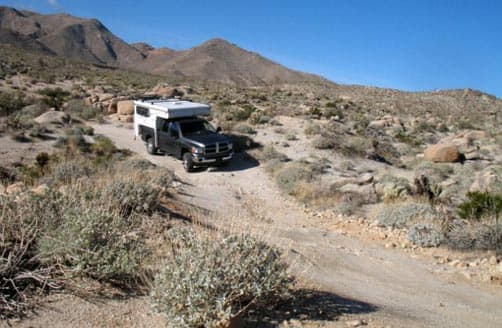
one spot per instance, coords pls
(53, 2)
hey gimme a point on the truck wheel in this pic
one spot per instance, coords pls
(187, 162)
(150, 148)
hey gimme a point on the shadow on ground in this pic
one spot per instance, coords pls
(307, 305)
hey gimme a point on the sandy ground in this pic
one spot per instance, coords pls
(355, 279)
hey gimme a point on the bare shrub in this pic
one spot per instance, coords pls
(210, 280)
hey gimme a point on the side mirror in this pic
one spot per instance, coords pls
(218, 129)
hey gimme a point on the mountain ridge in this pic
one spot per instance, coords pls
(90, 41)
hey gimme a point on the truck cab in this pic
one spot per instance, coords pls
(173, 127)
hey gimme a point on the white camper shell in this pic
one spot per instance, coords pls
(146, 112)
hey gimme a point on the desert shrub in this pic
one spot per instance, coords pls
(402, 215)
(103, 147)
(98, 244)
(20, 269)
(54, 97)
(330, 112)
(289, 176)
(474, 235)
(87, 130)
(480, 204)
(11, 102)
(89, 113)
(242, 142)
(69, 172)
(258, 117)
(210, 280)
(394, 188)
(312, 129)
(408, 139)
(30, 112)
(269, 152)
(127, 197)
(349, 204)
(323, 142)
(425, 235)
(244, 128)
(291, 137)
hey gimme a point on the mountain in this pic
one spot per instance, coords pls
(88, 40)
(67, 36)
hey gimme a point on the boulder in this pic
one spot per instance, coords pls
(105, 96)
(366, 192)
(165, 91)
(40, 190)
(125, 107)
(487, 180)
(53, 117)
(126, 118)
(444, 153)
(15, 188)
(112, 107)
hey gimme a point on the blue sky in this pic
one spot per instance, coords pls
(404, 44)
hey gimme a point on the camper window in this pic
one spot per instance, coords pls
(142, 111)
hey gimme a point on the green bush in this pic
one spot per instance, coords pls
(210, 280)
(54, 97)
(11, 102)
(479, 205)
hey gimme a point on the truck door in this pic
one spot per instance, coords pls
(168, 135)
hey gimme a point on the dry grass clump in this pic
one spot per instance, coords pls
(212, 279)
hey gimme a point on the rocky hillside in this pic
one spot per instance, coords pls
(91, 42)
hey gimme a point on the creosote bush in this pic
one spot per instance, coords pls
(211, 279)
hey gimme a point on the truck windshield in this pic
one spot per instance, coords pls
(196, 127)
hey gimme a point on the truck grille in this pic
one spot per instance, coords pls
(220, 147)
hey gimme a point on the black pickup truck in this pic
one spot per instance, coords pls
(193, 140)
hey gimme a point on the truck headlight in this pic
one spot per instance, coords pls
(196, 150)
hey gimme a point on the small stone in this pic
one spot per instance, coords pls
(355, 323)
(466, 275)
(390, 245)
(454, 263)
(493, 260)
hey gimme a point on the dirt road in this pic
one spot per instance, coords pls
(383, 287)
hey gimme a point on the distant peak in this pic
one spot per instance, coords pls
(217, 41)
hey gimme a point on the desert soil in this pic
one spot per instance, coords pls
(357, 282)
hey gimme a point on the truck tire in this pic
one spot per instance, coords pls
(187, 162)
(150, 148)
